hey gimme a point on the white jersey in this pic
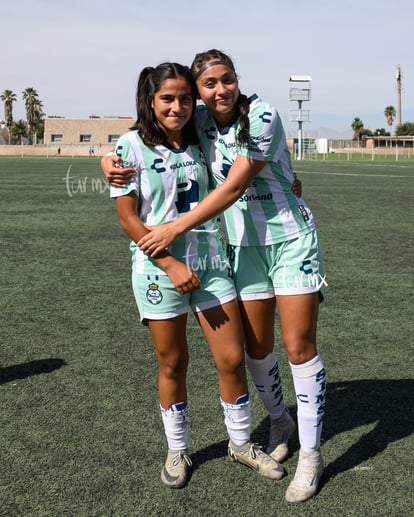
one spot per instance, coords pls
(169, 183)
(268, 212)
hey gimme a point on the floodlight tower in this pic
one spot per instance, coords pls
(398, 76)
(299, 93)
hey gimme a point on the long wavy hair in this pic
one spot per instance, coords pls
(242, 105)
(149, 82)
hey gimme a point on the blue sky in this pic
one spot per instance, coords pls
(84, 57)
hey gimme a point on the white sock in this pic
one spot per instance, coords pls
(175, 420)
(310, 386)
(265, 375)
(237, 419)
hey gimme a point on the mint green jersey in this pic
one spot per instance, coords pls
(268, 212)
(169, 183)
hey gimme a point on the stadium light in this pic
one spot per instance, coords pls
(300, 78)
(299, 92)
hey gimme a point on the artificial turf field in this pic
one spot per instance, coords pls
(80, 429)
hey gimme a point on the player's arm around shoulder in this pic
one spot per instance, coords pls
(241, 174)
(113, 168)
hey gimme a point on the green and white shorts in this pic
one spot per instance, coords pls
(288, 268)
(158, 299)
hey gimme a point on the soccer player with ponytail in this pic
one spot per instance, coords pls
(170, 179)
(273, 248)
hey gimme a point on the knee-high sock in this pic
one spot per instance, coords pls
(237, 419)
(265, 375)
(175, 420)
(310, 386)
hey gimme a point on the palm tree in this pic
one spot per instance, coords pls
(37, 109)
(357, 126)
(8, 96)
(390, 113)
(18, 130)
(37, 123)
(31, 101)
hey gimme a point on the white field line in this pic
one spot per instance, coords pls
(366, 165)
(353, 174)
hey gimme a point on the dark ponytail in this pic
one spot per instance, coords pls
(243, 105)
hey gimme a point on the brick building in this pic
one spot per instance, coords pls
(78, 136)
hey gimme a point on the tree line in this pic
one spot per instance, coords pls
(33, 128)
(361, 132)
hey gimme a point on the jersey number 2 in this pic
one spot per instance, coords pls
(187, 194)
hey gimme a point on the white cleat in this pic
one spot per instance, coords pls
(308, 473)
(280, 432)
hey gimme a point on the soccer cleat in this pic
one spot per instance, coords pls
(175, 470)
(280, 432)
(252, 456)
(308, 473)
